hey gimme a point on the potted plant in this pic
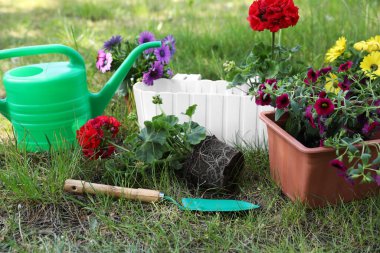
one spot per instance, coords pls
(324, 143)
(151, 65)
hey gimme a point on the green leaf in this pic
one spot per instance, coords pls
(153, 132)
(150, 151)
(196, 134)
(365, 158)
(376, 161)
(238, 80)
(191, 110)
(278, 114)
(352, 148)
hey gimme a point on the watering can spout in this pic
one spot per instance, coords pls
(100, 100)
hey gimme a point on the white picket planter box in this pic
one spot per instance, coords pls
(229, 114)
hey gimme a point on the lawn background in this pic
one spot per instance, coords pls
(35, 215)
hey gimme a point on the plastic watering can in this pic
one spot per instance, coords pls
(47, 102)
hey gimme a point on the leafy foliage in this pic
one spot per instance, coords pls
(164, 139)
(263, 63)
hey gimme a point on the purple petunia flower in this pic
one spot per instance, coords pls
(312, 76)
(145, 37)
(114, 41)
(170, 41)
(322, 94)
(377, 179)
(345, 66)
(309, 115)
(162, 54)
(324, 71)
(263, 98)
(156, 72)
(342, 170)
(345, 85)
(282, 101)
(321, 126)
(103, 61)
(369, 128)
(324, 106)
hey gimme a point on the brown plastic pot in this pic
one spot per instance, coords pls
(304, 174)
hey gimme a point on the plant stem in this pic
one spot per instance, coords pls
(273, 37)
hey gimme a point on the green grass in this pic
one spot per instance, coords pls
(35, 214)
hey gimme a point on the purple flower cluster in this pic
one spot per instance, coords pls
(162, 56)
(153, 63)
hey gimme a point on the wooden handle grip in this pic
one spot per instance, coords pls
(80, 187)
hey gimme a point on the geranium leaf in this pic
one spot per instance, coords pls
(196, 134)
(150, 151)
(153, 132)
(191, 110)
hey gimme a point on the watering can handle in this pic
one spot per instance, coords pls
(75, 58)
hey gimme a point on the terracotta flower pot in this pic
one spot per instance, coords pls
(305, 174)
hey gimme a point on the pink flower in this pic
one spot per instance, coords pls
(103, 61)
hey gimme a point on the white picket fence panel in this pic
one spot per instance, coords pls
(229, 114)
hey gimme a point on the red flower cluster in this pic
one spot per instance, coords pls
(272, 14)
(94, 136)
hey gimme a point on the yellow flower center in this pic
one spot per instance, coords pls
(374, 67)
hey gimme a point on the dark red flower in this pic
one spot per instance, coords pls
(312, 75)
(345, 66)
(370, 127)
(282, 101)
(345, 85)
(326, 70)
(322, 94)
(94, 136)
(263, 98)
(338, 165)
(272, 14)
(309, 115)
(324, 106)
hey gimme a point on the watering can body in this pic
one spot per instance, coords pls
(46, 103)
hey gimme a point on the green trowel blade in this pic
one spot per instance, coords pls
(216, 205)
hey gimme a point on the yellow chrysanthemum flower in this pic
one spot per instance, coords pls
(361, 46)
(332, 84)
(337, 50)
(371, 65)
(372, 44)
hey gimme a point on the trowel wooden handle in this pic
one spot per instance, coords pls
(80, 187)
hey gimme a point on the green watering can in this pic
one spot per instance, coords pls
(48, 102)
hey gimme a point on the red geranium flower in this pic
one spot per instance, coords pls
(272, 14)
(324, 106)
(94, 136)
(282, 101)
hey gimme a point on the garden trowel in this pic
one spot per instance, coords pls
(145, 195)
